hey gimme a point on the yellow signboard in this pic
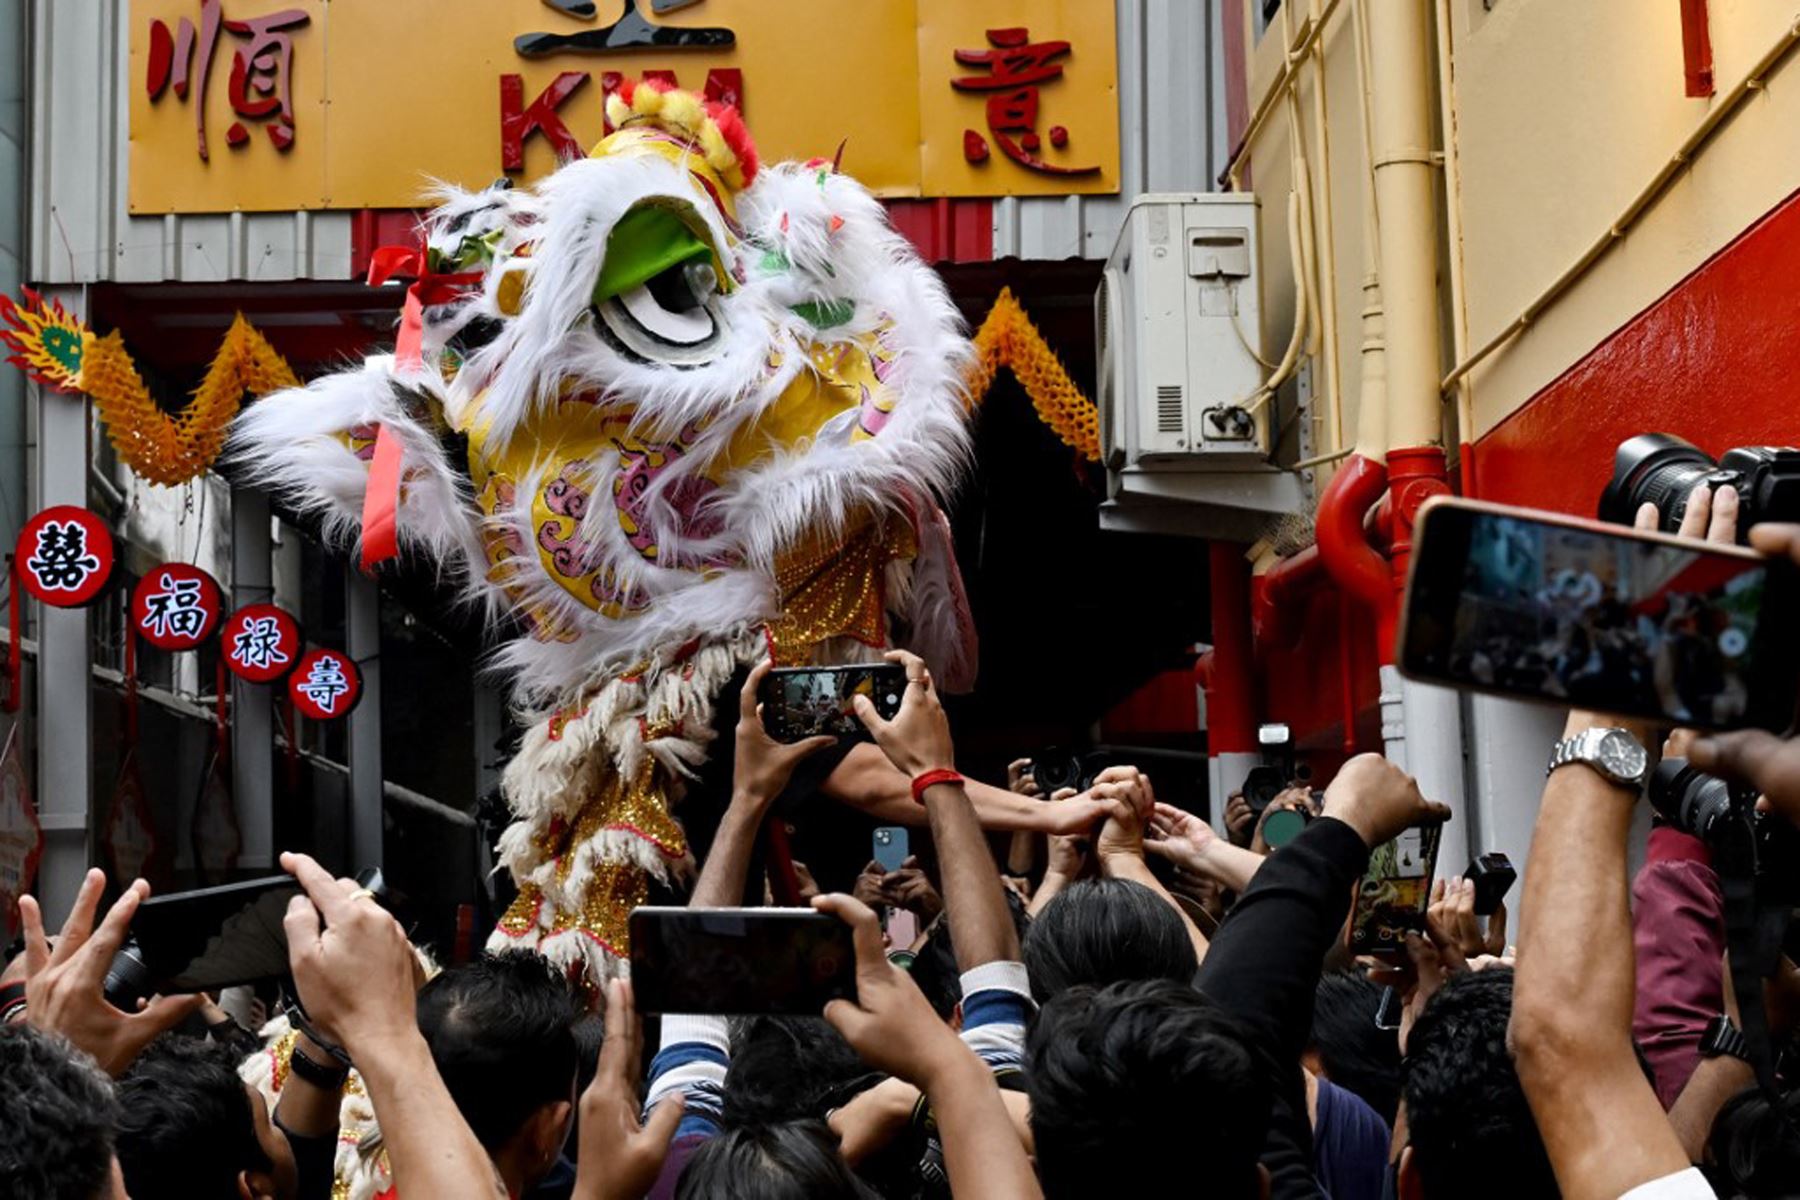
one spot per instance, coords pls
(264, 105)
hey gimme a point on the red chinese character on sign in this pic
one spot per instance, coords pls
(1016, 66)
(261, 69)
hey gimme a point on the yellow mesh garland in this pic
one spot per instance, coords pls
(1007, 338)
(56, 349)
(172, 450)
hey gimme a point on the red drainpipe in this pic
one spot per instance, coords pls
(1231, 685)
(1278, 598)
(1344, 545)
(1415, 475)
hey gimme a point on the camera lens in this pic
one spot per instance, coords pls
(1659, 469)
(128, 978)
(1688, 799)
(1054, 770)
(1262, 784)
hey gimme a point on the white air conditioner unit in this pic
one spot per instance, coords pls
(1179, 335)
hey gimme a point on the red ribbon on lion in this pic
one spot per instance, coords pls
(381, 499)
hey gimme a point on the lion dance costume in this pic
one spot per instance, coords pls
(670, 413)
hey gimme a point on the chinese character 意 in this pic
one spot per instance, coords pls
(175, 610)
(324, 683)
(261, 69)
(61, 562)
(257, 647)
(1016, 66)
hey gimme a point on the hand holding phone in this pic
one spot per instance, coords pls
(764, 762)
(917, 738)
(351, 962)
(1394, 893)
(804, 702)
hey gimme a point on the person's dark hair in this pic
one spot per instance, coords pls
(788, 1068)
(58, 1112)
(1102, 931)
(186, 1125)
(1115, 1070)
(934, 969)
(793, 1160)
(501, 1031)
(1352, 1052)
(1753, 1148)
(1464, 1105)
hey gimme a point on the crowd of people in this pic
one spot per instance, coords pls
(1159, 1009)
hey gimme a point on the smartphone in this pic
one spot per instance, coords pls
(1388, 1012)
(802, 702)
(1573, 612)
(1493, 875)
(891, 846)
(740, 961)
(208, 939)
(1394, 893)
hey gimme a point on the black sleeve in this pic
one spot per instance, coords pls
(314, 1163)
(1263, 968)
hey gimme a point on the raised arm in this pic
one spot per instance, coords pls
(1187, 841)
(762, 769)
(867, 781)
(1571, 1022)
(1121, 846)
(918, 741)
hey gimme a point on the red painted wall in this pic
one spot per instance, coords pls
(1715, 360)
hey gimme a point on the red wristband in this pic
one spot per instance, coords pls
(931, 779)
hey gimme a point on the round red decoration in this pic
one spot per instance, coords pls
(261, 643)
(325, 684)
(64, 556)
(175, 606)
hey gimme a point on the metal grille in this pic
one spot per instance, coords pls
(1168, 408)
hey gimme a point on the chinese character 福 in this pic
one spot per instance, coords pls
(176, 610)
(1016, 67)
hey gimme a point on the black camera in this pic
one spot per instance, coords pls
(1055, 769)
(1662, 469)
(1714, 810)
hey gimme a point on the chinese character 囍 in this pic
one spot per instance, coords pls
(1016, 66)
(61, 561)
(324, 683)
(257, 646)
(262, 65)
(175, 610)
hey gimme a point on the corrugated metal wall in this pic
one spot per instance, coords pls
(1171, 133)
(80, 230)
(1172, 114)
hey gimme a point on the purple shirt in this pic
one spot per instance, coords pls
(1678, 926)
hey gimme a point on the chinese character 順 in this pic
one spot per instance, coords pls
(61, 562)
(257, 647)
(261, 69)
(324, 683)
(176, 610)
(1016, 66)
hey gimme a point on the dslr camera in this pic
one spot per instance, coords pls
(1714, 810)
(1661, 469)
(1055, 769)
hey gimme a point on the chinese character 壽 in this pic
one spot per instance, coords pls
(324, 683)
(1016, 66)
(261, 69)
(176, 610)
(257, 647)
(61, 561)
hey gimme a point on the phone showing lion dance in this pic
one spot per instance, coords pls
(803, 702)
(1394, 893)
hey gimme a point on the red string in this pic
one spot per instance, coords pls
(381, 501)
(131, 687)
(15, 633)
(222, 716)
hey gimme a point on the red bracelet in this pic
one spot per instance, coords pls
(931, 779)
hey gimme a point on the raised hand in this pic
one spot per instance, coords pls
(1379, 800)
(1180, 837)
(764, 765)
(621, 1155)
(64, 987)
(918, 739)
(890, 1023)
(1239, 820)
(355, 975)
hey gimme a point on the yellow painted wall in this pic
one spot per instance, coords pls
(1564, 110)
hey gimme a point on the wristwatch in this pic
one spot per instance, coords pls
(1723, 1038)
(1614, 753)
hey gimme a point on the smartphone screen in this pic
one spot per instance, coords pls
(215, 937)
(802, 702)
(1607, 619)
(740, 961)
(892, 845)
(1395, 892)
